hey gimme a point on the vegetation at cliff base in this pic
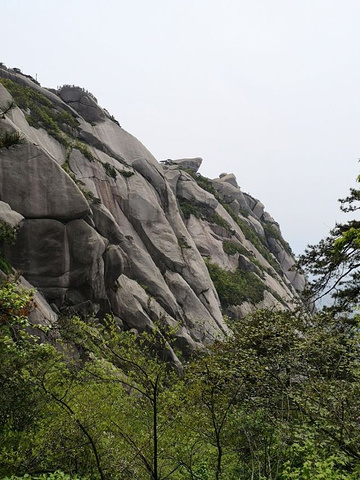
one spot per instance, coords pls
(279, 399)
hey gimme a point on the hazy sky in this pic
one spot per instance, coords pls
(266, 89)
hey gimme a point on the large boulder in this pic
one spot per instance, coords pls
(192, 164)
(37, 187)
(83, 102)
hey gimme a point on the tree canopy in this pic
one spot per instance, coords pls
(334, 263)
(279, 399)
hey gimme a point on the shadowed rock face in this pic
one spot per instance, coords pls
(116, 230)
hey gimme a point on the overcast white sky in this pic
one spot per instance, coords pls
(266, 89)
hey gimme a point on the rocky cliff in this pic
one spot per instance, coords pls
(106, 228)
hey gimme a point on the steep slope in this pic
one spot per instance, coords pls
(107, 228)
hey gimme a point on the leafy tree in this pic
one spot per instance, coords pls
(139, 393)
(20, 352)
(334, 261)
(281, 395)
(279, 399)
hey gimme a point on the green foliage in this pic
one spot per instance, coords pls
(7, 233)
(5, 265)
(183, 243)
(219, 220)
(204, 212)
(236, 287)
(333, 263)
(309, 464)
(58, 475)
(272, 232)
(206, 184)
(8, 139)
(90, 196)
(66, 167)
(110, 170)
(84, 149)
(278, 399)
(188, 209)
(127, 173)
(269, 400)
(40, 111)
(258, 243)
(14, 300)
(244, 213)
(231, 248)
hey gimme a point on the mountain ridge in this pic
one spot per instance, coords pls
(106, 228)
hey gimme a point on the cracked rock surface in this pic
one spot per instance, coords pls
(105, 228)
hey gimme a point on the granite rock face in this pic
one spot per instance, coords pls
(10, 217)
(106, 228)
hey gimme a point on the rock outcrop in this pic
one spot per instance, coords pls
(105, 228)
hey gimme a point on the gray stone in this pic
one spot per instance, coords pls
(83, 103)
(190, 163)
(5, 99)
(229, 178)
(105, 224)
(40, 253)
(52, 255)
(127, 302)
(258, 209)
(228, 192)
(247, 265)
(40, 313)
(114, 264)
(120, 143)
(240, 311)
(154, 176)
(37, 187)
(86, 248)
(9, 216)
(189, 190)
(203, 327)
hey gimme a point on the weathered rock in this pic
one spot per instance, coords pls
(229, 178)
(154, 176)
(133, 255)
(246, 264)
(40, 253)
(6, 100)
(203, 328)
(36, 187)
(83, 103)
(106, 225)
(9, 216)
(40, 313)
(190, 163)
(188, 190)
(114, 264)
(54, 256)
